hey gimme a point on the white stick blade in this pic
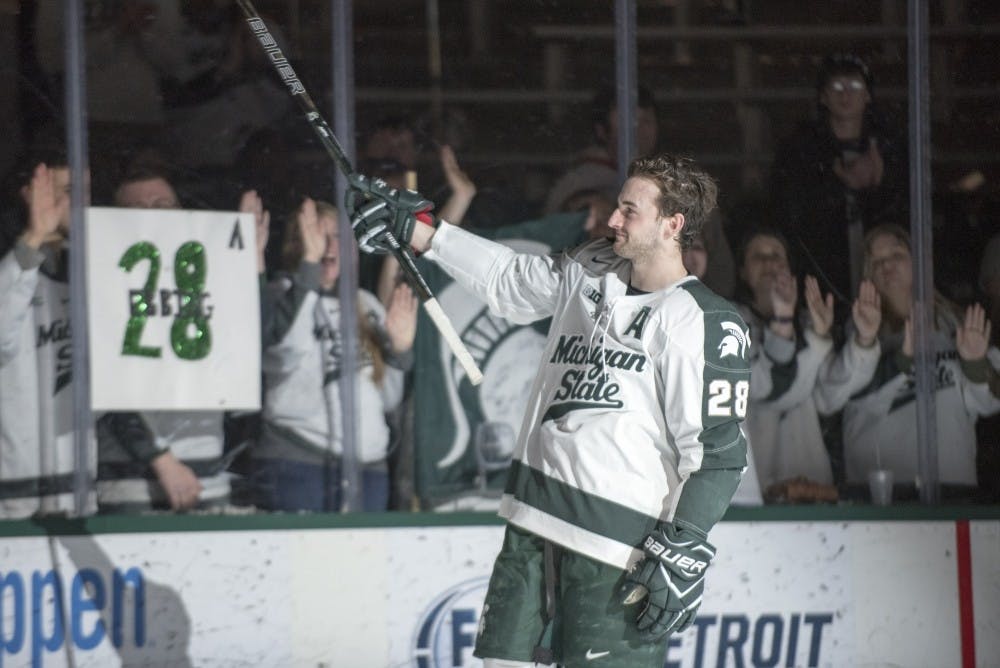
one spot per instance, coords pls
(446, 329)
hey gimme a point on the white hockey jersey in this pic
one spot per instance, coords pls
(302, 411)
(635, 393)
(36, 414)
(880, 422)
(783, 421)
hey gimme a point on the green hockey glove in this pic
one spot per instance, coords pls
(383, 217)
(670, 578)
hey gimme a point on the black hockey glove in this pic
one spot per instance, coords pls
(383, 217)
(671, 578)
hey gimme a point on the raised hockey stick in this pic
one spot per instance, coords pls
(333, 147)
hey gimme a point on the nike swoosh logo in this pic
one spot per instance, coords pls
(591, 654)
(557, 411)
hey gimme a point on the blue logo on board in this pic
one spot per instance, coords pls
(446, 632)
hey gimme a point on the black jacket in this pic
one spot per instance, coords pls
(813, 206)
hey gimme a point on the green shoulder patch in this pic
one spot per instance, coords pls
(726, 380)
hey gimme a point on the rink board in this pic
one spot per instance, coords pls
(779, 594)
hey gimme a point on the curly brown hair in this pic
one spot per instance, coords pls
(684, 189)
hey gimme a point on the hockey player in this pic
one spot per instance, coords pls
(631, 448)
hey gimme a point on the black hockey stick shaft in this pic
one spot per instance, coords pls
(295, 87)
(322, 129)
(336, 151)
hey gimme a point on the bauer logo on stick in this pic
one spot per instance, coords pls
(277, 57)
(387, 239)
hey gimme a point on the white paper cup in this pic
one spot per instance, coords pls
(880, 486)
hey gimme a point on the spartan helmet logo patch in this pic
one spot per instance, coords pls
(735, 342)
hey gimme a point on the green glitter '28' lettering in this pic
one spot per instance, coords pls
(142, 250)
(190, 335)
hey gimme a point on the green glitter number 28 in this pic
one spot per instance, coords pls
(142, 250)
(189, 272)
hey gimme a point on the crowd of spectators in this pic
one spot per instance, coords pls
(825, 284)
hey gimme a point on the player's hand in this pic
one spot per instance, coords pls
(383, 217)
(867, 314)
(45, 209)
(670, 578)
(311, 231)
(178, 481)
(401, 318)
(864, 172)
(458, 181)
(820, 309)
(250, 202)
(463, 189)
(972, 338)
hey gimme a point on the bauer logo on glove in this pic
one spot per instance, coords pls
(670, 578)
(687, 566)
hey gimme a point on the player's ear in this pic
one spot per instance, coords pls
(672, 226)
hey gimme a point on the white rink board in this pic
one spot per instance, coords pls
(157, 358)
(830, 593)
(985, 539)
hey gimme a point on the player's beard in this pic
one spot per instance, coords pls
(637, 247)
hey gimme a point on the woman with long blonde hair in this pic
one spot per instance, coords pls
(297, 461)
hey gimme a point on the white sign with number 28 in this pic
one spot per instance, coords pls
(173, 310)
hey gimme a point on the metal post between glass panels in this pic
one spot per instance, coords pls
(921, 235)
(76, 144)
(342, 68)
(626, 82)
